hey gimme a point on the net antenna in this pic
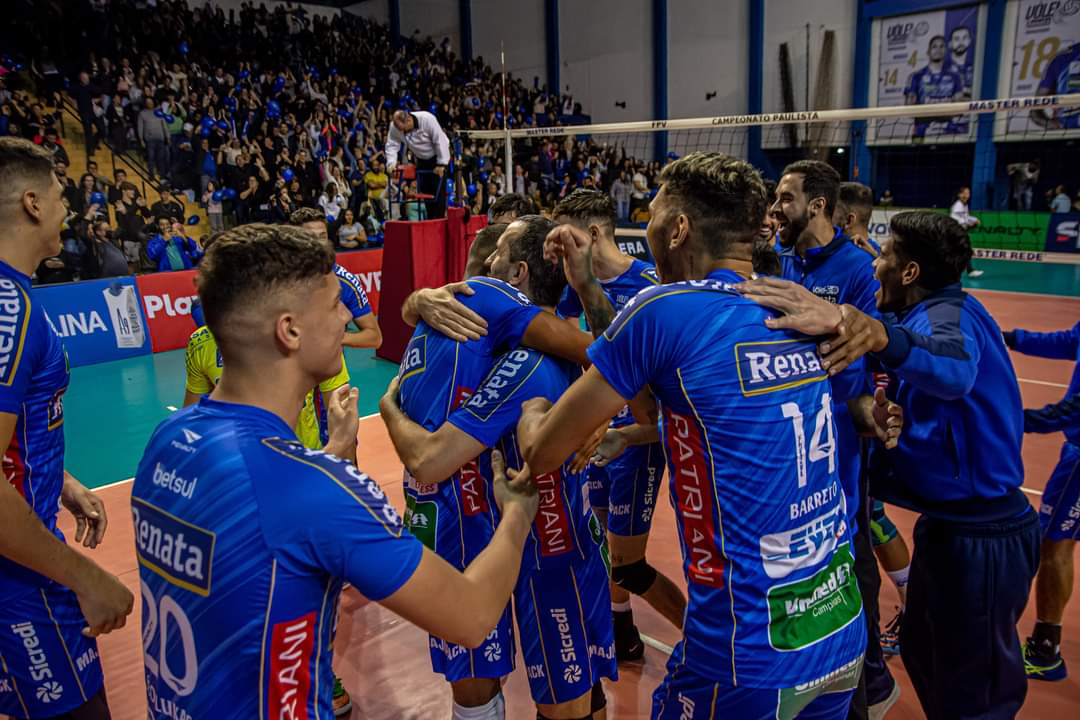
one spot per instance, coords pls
(508, 149)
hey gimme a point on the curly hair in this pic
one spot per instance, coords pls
(937, 243)
(306, 215)
(724, 197)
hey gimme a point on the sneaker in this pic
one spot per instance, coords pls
(342, 701)
(628, 644)
(890, 636)
(878, 710)
(1041, 666)
(975, 273)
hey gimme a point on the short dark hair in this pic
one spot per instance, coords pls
(587, 205)
(306, 215)
(251, 262)
(939, 244)
(723, 196)
(857, 198)
(820, 179)
(546, 280)
(485, 241)
(21, 162)
(765, 259)
(519, 205)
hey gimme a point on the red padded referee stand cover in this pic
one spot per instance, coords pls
(459, 238)
(414, 256)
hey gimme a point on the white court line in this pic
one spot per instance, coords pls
(657, 645)
(1031, 491)
(1043, 382)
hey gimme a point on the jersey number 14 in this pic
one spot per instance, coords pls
(822, 442)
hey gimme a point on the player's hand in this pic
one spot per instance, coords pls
(585, 453)
(532, 413)
(104, 600)
(515, 488)
(440, 309)
(90, 517)
(864, 244)
(888, 419)
(573, 247)
(343, 421)
(612, 446)
(390, 397)
(440, 170)
(803, 311)
(856, 335)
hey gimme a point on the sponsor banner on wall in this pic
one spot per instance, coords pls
(366, 265)
(999, 230)
(1014, 255)
(1063, 233)
(166, 299)
(98, 320)
(1046, 61)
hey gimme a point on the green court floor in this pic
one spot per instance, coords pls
(111, 408)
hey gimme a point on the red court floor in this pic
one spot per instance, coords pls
(384, 661)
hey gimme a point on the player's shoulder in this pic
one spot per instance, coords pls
(201, 338)
(347, 276)
(645, 271)
(488, 287)
(313, 479)
(22, 319)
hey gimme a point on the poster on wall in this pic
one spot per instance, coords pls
(924, 59)
(1046, 61)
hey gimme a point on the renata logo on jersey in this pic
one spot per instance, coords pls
(805, 546)
(499, 384)
(552, 522)
(14, 305)
(694, 500)
(766, 367)
(178, 551)
(290, 668)
(414, 359)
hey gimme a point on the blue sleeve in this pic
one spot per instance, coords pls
(569, 304)
(155, 247)
(507, 311)
(354, 297)
(1061, 345)
(633, 348)
(864, 287)
(943, 363)
(19, 340)
(1052, 72)
(343, 523)
(1060, 416)
(913, 83)
(495, 407)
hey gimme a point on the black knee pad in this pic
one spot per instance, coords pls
(599, 700)
(636, 578)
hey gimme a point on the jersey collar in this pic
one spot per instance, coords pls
(725, 276)
(216, 407)
(15, 275)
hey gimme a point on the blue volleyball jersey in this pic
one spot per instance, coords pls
(243, 538)
(352, 292)
(563, 532)
(746, 419)
(439, 374)
(33, 379)
(1062, 77)
(931, 88)
(844, 275)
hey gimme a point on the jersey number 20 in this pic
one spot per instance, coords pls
(161, 617)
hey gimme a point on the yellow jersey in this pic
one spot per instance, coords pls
(203, 363)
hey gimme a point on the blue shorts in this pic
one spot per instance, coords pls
(565, 626)
(47, 667)
(685, 695)
(633, 486)
(456, 520)
(596, 479)
(1059, 514)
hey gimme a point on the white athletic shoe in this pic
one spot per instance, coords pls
(878, 711)
(975, 273)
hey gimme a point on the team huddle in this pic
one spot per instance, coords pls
(534, 453)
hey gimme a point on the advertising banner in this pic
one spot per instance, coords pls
(999, 230)
(1061, 233)
(927, 58)
(98, 320)
(166, 299)
(1045, 61)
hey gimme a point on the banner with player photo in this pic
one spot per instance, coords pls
(1045, 61)
(927, 58)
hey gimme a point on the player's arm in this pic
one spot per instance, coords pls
(1056, 417)
(196, 383)
(485, 586)
(369, 335)
(430, 457)
(616, 440)
(1060, 345)
(573, 247)
(549, 434)
(877, 416)
(104, 600)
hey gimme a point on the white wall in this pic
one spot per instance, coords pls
(785, 21)
(433, 18)
(377, 10)
(519, 25)
(606, 52)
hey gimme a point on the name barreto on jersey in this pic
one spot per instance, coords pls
(13, 318)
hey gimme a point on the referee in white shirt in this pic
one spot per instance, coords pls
(960, 213)
(420, 132)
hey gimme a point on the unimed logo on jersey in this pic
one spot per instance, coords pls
(552, 523)
(766, 367)
(695, 500)
(178, 551)
(291, 644)
(13, 321)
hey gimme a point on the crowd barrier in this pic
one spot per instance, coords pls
(117, 318)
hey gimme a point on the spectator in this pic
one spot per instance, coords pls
(370, 223)
(214, 209)
(131, 217)
(376, 181)
(171, 250)
(82, 195)
(117, 125)
(154, 135)
(1061, 202)
(620, 193)
(1023, 176)
(115, 191)
(640, 188)
(886, 199)
(331, 201)
(85, 93)
(416, 209)
(104, 257)
(52, 143)
(960, 213)
(168, 207)
(351, 233)
(69, 188)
